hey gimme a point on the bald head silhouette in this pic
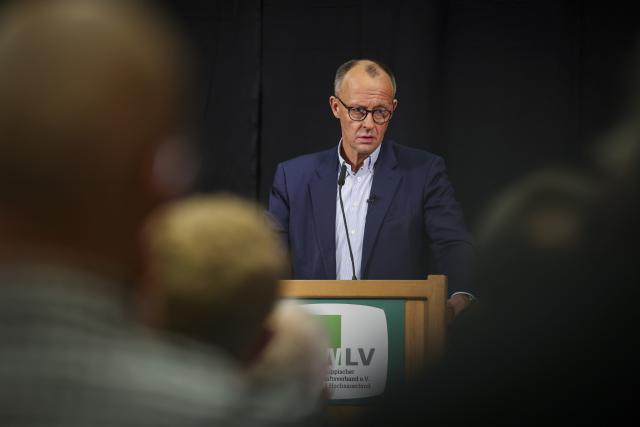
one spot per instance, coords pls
(89, 91)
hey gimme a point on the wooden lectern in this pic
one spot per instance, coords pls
(424, 311)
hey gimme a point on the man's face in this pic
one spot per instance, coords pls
(359, 89)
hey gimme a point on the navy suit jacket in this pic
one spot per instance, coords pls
(413, 228)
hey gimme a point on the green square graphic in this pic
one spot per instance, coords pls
(333, 323)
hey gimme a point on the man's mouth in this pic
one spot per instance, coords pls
(365, 138)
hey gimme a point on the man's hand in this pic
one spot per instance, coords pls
(457, 304)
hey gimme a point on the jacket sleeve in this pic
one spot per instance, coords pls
(451, 243)
(278, 212)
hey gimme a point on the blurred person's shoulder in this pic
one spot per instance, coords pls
(72, 351)
(180, 366)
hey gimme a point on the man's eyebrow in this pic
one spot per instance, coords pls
(377, 107)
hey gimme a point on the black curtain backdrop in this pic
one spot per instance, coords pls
(498, 88)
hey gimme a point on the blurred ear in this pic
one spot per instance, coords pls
(173, 169)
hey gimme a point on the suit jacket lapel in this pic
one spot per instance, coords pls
(323, 189)
(385, 182)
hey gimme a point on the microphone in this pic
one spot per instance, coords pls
(343, 175)
(341, 179)
(372, 198)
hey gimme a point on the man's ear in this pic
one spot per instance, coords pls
(333, 103)
(395, 104)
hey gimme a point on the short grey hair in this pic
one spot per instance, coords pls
(373, 70)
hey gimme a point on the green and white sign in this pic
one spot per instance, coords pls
(358, 349)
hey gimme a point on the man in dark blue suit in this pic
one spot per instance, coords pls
(400, 221)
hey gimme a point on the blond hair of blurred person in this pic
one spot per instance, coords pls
(214, 266)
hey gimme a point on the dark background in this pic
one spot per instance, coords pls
(498, 88)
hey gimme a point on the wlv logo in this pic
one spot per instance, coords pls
(358, 349)
(339, 356)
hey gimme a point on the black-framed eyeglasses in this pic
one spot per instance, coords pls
(380, 115)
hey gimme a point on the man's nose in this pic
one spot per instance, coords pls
(368, 121)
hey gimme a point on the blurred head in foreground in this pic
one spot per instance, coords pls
(214, 266)
(534, 335)
(536, 229)
(90, 91)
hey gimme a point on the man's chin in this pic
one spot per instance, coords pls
(366, 147)
(363, 150)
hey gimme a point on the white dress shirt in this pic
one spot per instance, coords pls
(355, 193)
